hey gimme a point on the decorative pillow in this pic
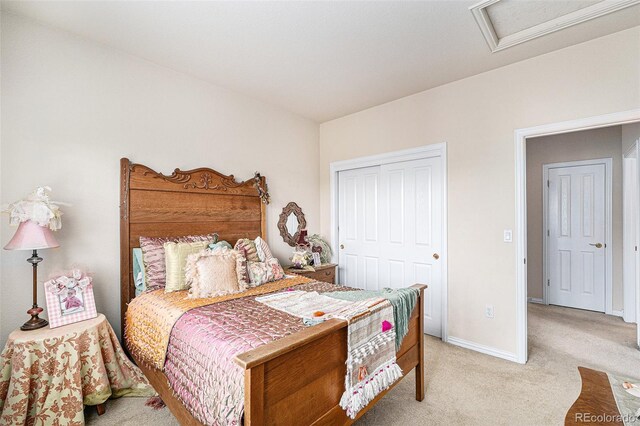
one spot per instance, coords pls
(138, 272)
(264, 252)
(153, 256)
(264, 272)
(175, 256)
(248, 248)
(212, 273)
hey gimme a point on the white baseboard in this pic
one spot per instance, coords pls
(617, 313)
(535, 300)
(483, 349)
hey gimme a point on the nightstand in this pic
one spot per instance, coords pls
(326, 272)
(49, 375)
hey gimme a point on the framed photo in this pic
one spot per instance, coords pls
(70, 299)
(316, 259)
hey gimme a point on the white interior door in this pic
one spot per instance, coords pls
(359, 250)
(577, 236)
(630, 234)
(390, 230)
(631, 230)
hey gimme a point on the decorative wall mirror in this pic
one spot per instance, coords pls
(291, 222)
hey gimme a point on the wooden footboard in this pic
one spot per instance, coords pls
(300, 379)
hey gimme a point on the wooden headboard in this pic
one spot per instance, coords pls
(190, 202)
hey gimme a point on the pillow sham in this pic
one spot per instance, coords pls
(175, 256)
(153, 256)
(138, 272)
(248, 248)
(264, 252)
(264, 272)
(211, 273)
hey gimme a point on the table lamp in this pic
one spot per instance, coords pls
(31, 236)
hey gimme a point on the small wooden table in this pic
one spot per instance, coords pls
(47, 376)
(326, 272)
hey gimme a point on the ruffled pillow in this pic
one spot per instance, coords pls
(264, 272)
(248, 248)
(212, 273)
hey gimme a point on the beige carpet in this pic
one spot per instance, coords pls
(468, 388)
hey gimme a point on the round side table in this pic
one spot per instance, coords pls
(49, 375)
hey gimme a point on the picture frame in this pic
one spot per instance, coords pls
(70, 299)
(316, 259)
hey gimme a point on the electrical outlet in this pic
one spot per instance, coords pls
(488, 311)
(508, 236)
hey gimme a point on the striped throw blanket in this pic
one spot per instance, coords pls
(371, 360)
(402, 299)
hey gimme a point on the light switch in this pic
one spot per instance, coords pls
(508, 236)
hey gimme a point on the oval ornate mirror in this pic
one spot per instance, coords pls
(291, 222)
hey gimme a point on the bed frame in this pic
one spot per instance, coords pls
(295, 380)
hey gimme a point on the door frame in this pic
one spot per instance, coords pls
(521, 136)
(608, 245)
(633, 150)
(426, 151)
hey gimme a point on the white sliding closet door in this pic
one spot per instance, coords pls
(359, 253)
(390, 230)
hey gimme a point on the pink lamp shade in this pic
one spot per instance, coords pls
(31, 236)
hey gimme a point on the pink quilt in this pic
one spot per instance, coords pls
(199, 362)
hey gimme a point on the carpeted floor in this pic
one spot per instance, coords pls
(467, 388)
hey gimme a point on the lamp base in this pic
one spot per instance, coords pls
(35, 322)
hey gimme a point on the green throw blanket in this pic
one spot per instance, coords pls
(403, 301)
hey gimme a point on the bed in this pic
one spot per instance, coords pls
(302, 372)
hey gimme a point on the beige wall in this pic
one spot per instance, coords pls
(586, 145)
(71, 109)
(477, 117)
(630, 134)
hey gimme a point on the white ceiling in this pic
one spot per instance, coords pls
(511, 16)
(322, 59)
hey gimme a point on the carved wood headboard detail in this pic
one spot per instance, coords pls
(198, 201)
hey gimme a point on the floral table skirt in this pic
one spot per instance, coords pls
(48, 375)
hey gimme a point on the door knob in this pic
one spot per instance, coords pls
(596, 245)
(436, 256)
(341, 246)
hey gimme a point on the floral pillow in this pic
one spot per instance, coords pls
(264, 272)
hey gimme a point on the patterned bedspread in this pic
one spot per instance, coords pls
(204, 341)
(151, 316)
